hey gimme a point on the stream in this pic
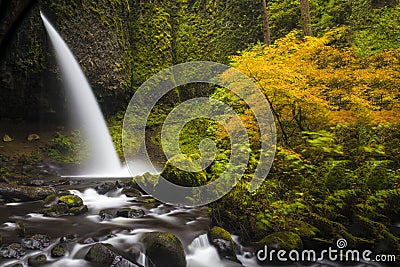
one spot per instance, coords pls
(189, 224)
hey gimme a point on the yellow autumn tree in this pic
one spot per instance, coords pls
(311, 85)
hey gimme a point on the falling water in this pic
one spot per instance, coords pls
(104, 160)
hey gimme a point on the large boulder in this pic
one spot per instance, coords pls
(64, 205)
(223, 242)
(164, 249)
(106, 255)
(25, 192)
(181, 177)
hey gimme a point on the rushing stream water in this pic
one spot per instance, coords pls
(187, 223)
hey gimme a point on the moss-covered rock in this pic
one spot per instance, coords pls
(223, 242)
(181, 177)
(65, 205)
(131, 192)
(59, 209)
(164, 249)
(107, 255)
(50, 200)
(78, 210)
(58, 251)
(282, 240)
(71, 200)
(37, 260)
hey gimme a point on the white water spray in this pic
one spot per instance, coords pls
(103, 160)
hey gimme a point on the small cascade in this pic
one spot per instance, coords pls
(200, 242)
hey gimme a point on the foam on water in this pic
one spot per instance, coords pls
(97, 202)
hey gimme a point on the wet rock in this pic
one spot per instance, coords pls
(58, 251)
(71, 200)
(89, 240)
(37, 241)
(37, 260)
(65, 205)
(282, 240)
(107, 255)
(50, 200)
(105, 188)
(131, 192)
(222, 241)
(78, 210)
(35, 183)
(32, 137)
(108, 214)
(164, 249)
(7, 138)
(59, 209)
(130, 213)
(14, 250)
(25, 192)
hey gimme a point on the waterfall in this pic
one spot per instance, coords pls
(103, 158)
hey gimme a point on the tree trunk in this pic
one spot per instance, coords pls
(267, 34)
(305, 17)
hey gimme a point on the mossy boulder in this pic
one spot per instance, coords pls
(64, 205)
(58, 251)
(223, 242)
(78, 210)
(71, 200)
(181, 177)
(164, 249)
(37, 260)
(131, 192)
(106, 255)
(59, 209)
(282, 240)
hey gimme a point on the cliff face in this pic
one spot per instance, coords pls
(98, 35)
(118, 43)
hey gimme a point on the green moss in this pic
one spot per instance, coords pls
(174, 174)
(305, 230)
(71, 200)
(283, 240)
(38, 260)
(219, 233)
(58, 251)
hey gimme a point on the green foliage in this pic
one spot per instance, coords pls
(67, 148)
